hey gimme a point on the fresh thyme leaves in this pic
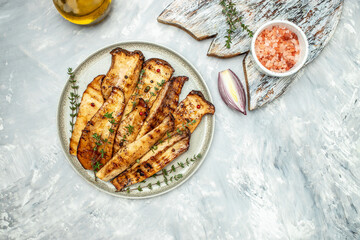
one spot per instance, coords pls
(190, 123)
(232, 18)
(102, 153)
(141, 74)
(153, 148)
(152, 94)
(109, 115)
(124, 138)
(130, 129)
(179, 131)
(133, 104)
(177, 177)
(96, 166)
(96, 136)
(168, 136)
(95, 161)
(156, 89)
(185, 125)
(161, 83)
(112, 121)
(166, 173)
(74, 96)
(138, 160)
(181, 164)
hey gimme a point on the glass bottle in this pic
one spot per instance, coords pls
(83, 12)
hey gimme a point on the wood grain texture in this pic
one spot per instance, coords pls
(204, 19)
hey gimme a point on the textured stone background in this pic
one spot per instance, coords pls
(290, 170)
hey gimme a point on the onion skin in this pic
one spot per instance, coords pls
(232, 91)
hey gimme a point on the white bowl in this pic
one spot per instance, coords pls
(303, 43)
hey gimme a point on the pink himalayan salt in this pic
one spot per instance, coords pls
(277, 49)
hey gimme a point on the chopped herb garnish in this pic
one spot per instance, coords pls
(153, 148)
(108, 115)
(161, 83)
(112, 121)
(96, 136)
(130, 129)
(96, 166)
(190, 122)
(124, 138)
(102, 153)
(141, 74)
(134, 104)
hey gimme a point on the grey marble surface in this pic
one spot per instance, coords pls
(290, 170)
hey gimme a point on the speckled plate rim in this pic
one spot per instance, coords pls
(204, 152)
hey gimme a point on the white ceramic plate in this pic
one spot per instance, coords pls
(99, 63)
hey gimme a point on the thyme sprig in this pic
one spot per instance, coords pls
(141, 74)
(130, 129)
(95, 161)
(101, 143)
(232, 18)
(169, 175)
(112, 121)
(74, 96)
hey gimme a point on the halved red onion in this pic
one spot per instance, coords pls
(232, 91)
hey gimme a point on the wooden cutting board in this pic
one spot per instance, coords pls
(203, 19)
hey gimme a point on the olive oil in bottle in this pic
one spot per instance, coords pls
(83, 12)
